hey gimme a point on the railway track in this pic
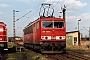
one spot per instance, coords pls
(67, 56)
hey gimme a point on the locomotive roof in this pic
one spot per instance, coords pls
(39, 19)
(2, 23)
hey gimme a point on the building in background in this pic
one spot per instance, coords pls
(72, 38)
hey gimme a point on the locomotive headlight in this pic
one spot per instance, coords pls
(60, 37)
(63, 37)
(1, 30)
(46, 37)
(1, 45)
(0, 38)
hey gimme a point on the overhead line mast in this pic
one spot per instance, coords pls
(14, 32)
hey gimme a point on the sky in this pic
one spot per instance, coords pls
(75, 10)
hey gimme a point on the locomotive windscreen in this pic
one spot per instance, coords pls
(47, 24)
(52, 24)
(58, 24)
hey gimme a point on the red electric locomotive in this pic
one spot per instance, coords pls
(18, 40)
(46, 34)
(3, 36)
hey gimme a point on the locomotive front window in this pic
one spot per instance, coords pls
(58, 24)
(47, 24)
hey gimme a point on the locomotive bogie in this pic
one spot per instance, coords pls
(53, 47)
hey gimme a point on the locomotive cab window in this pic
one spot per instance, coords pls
(58, 24)
(52, 24)
(47, 24)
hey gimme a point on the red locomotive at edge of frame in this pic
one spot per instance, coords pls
(46, 34)
(3, 36)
